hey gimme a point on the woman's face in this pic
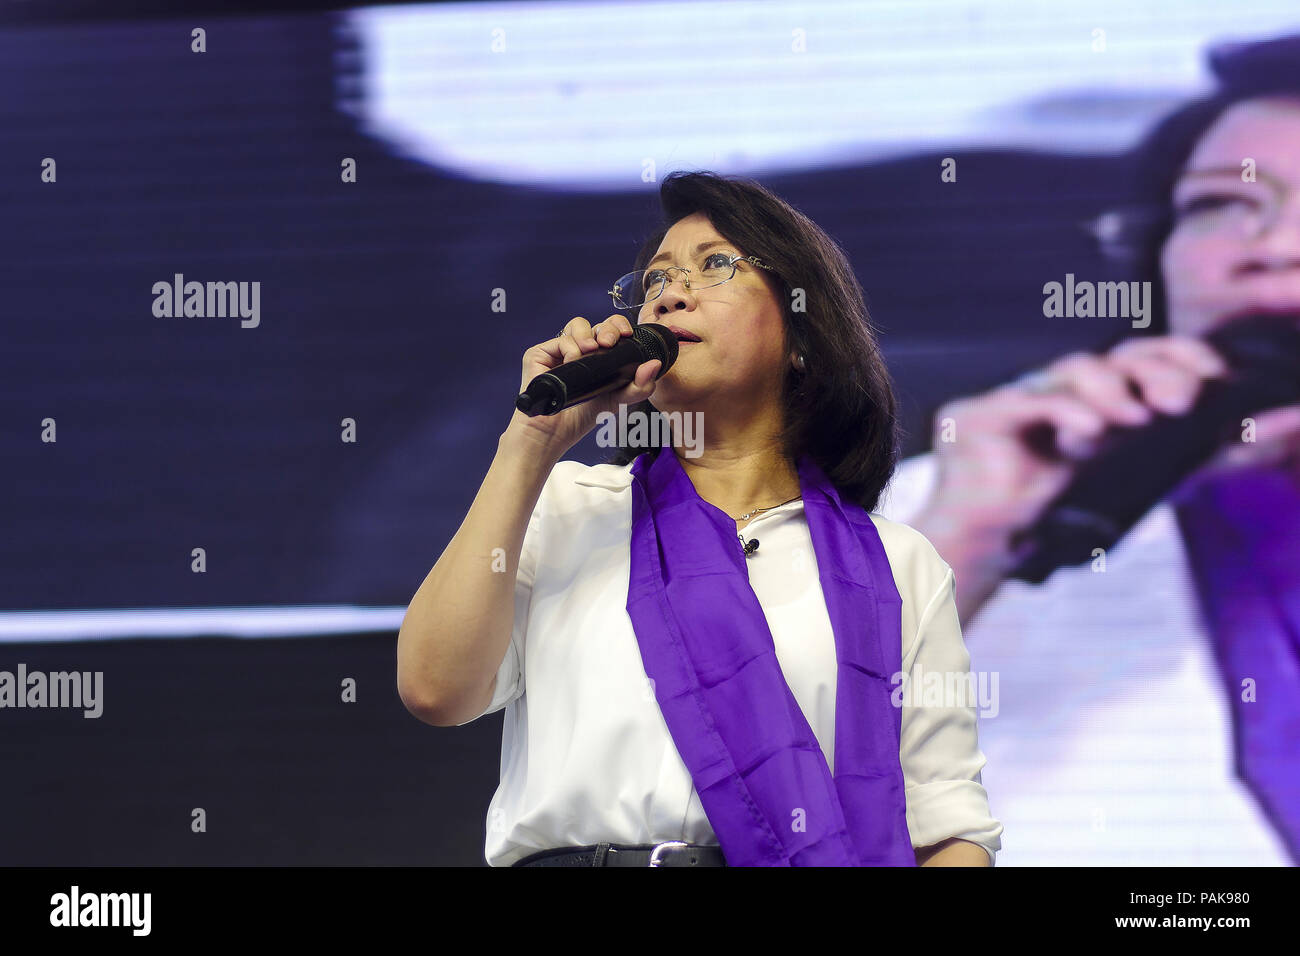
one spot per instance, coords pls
(1235, 246)
(739, 362)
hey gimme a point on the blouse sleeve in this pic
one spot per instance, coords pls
(510, 675)
(939, 748)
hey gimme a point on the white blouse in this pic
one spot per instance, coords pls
(586, 756)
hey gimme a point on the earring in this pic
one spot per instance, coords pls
(799, 362)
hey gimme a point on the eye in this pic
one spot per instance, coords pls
(717, 260)
(1212, 202)
(650, 278)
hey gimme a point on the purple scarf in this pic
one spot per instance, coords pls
(761, 775)
(1242, 531)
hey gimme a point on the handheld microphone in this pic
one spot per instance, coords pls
(591, 375)
(1136, 467)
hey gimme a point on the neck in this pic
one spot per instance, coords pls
(737, 462)
(740, 480)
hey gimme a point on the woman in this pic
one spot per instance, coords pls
(673, 697)
(1194, 601)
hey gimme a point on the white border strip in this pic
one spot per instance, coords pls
(21, 627)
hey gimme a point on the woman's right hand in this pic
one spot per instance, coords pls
(1012, 450)
(563, 430)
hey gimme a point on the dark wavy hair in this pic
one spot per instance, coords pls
(842, 410)
(1243, 71)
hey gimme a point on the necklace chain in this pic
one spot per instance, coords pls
(750, 514)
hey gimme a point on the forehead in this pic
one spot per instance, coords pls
(688, 232)
(1265, 130)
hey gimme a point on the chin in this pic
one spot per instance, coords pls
(676, 398)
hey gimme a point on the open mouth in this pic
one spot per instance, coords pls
(683, 337)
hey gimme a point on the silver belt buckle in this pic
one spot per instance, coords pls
(654, 854)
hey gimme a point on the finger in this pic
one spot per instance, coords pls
(1276, 424)
(576, 332)
(547, 354)
(644, 379)
(1196, 354)
(1275, 433)
(1275, 437)
(639, 389)
(1046, 423)
(607, 334)
(1007, 409)
(612, 329)
(583, 334)
(1094, 380)
(1164, 383)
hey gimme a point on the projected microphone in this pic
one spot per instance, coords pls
(605, 371)
(1136, 467)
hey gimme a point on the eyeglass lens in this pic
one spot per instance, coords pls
(1224, 203)
(637, 288)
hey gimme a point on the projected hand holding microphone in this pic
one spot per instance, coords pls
(1132, 468)
(1066, 461)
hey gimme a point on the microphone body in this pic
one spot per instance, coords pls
(605, 371)
(1136, 467)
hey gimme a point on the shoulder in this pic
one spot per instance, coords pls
(906, 544)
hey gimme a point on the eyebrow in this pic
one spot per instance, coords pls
(698, 249)
(1233, 171)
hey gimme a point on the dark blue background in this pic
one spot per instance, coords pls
(376, 305)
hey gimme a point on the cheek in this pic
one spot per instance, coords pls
(760, 314)
(742, 355)
(759, 357)
(1193, 265)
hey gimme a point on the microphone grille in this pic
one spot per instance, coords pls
(659, 343)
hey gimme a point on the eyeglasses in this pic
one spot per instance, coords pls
(1217, 201)
(645, 285)
(1208, 202)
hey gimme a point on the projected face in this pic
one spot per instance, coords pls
(1235, 247)
(739, 359)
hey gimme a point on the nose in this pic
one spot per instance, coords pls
(1278, 246)
(675, 295)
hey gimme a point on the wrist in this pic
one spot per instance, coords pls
(980, 546)
(534, 443)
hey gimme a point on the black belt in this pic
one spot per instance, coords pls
(674, 853)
